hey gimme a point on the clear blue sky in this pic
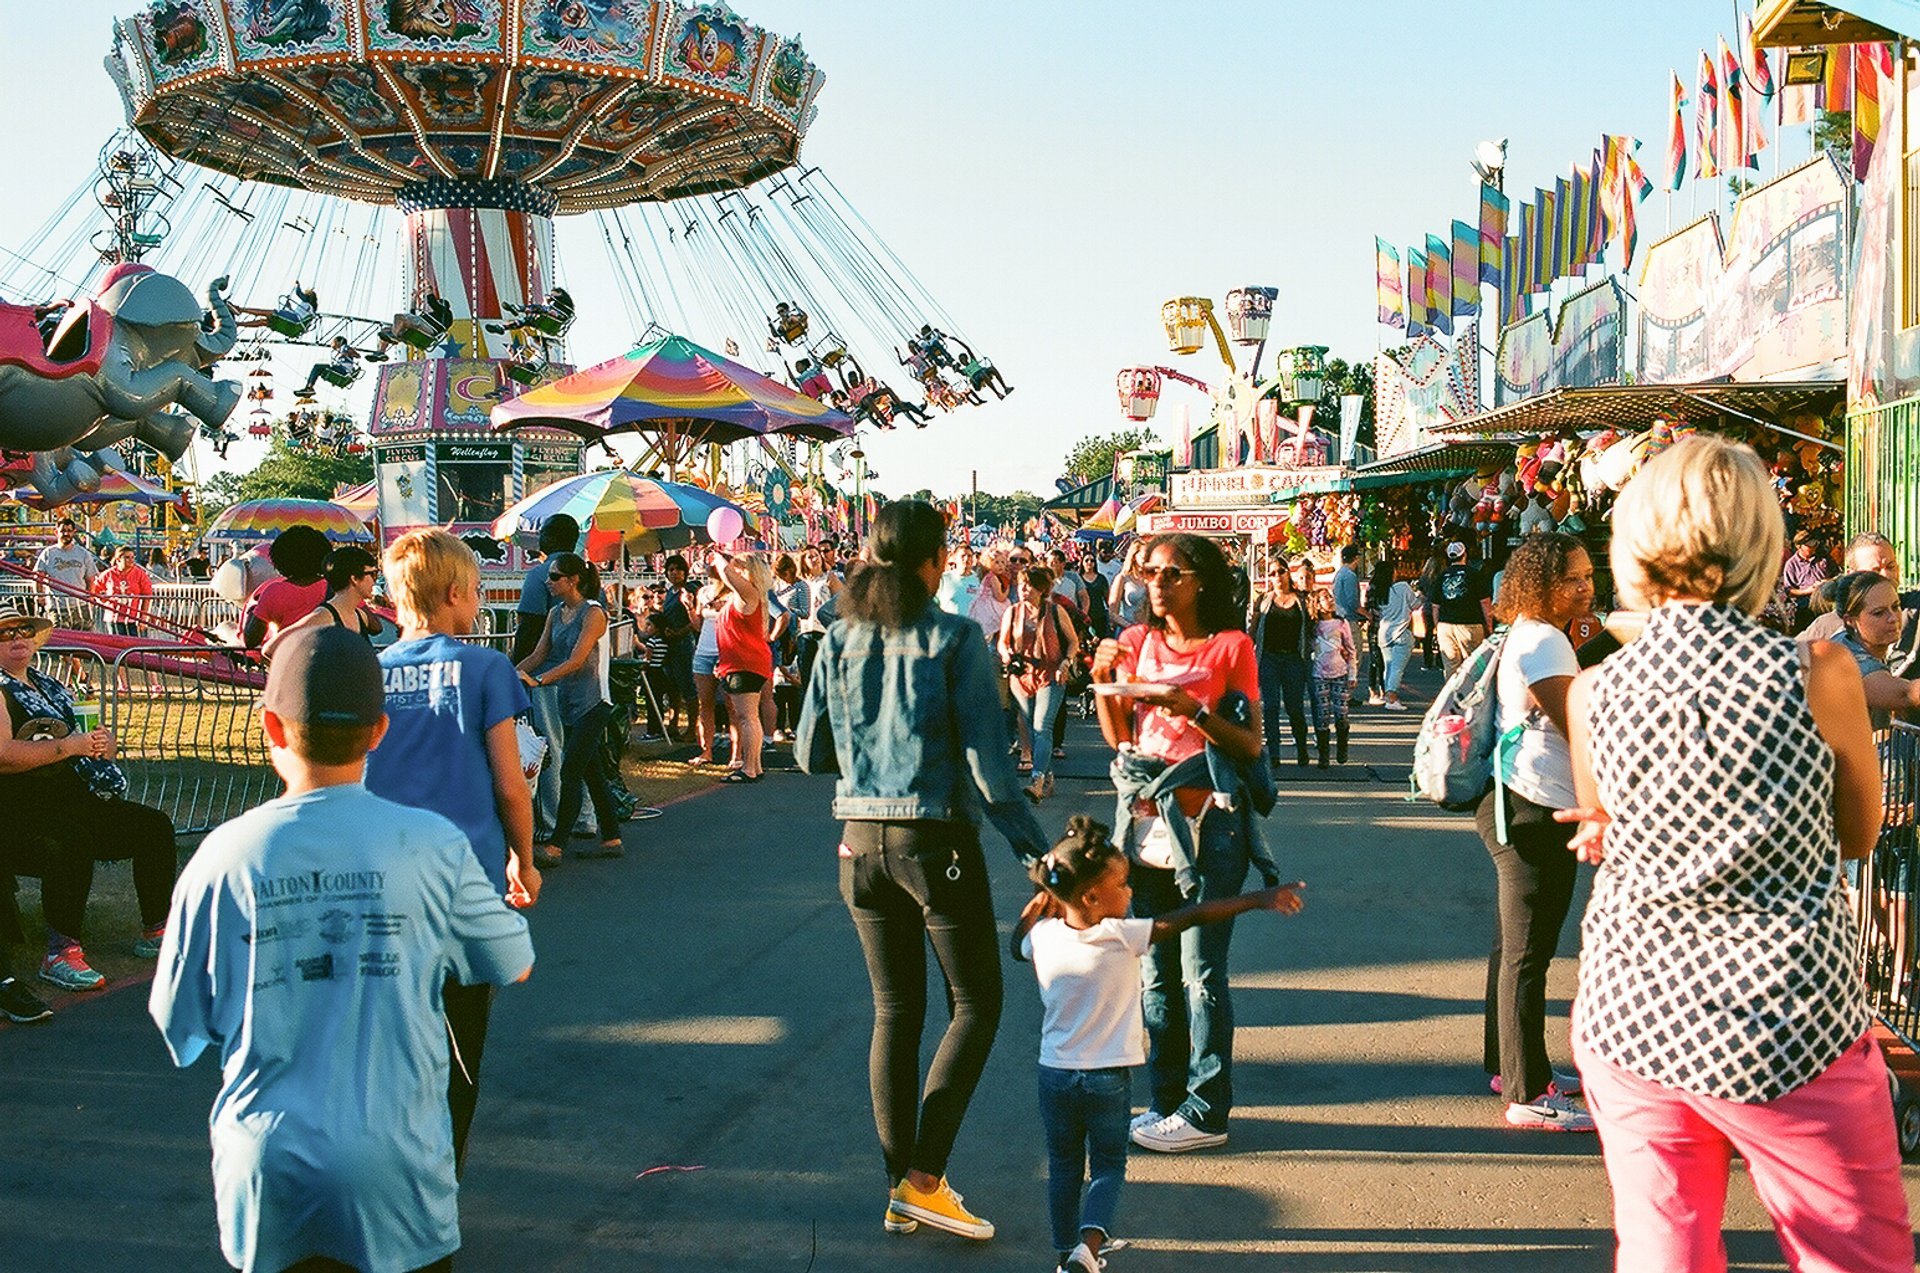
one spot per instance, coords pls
(1053, 173)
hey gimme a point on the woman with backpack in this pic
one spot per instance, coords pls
(1548, 582)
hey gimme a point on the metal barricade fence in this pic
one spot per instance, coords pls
(1884, 889)
(183, 605)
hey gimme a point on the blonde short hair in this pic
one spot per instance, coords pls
(1699, 522)
(423, 566)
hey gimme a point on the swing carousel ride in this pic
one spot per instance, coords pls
(275, 140)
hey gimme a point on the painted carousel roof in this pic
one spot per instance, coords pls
(591, 103)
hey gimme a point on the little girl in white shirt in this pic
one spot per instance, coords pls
(1086, 955)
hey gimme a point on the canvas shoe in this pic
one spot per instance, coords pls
(1551, 1113)
(1082, 1260)
(69, 971)
(1146, 1119)
(1565, 1083)
(896, 1223)
(1175, 1135)
(21, 1005)
(940, 1207)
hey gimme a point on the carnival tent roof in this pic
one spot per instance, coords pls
(674, 387)
(1796, 23)
(1638, 406)
(1081, 502)
(115, 485)
(362, 501)
(1438, 459)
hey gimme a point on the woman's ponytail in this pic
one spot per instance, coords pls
(887, 588)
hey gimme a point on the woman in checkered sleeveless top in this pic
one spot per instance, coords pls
(1719, 1007)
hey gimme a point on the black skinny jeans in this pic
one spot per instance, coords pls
(583, 773)
(1536, 876)
(468, 1009)
(60, 842)
(896, 879)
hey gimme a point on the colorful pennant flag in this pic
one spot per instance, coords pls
(1439, 285)
(1417, 311)
(1796, 103)
(1526, 262)
(1872, 62)
(1596, 223)
(1543, 274)
(1836, 89)
(1623, 186)
(1733, 114)
(1677, 136)
(1466, 270)
(1386, 286)
(1493, 233)
(1510, 290)
(1706, 120)
(1558, 263)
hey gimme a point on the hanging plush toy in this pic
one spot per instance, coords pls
(1526, 465)
(1552, 456)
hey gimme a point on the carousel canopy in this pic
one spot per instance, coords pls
(1638, 406)
(573, 106)
(669, 386)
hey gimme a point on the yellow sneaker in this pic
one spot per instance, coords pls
(940, 1207)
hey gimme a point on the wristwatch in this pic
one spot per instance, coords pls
(1200, 717)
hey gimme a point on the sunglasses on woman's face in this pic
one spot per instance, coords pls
(1167, 575)
(18, 632)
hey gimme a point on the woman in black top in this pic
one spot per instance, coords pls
(1278, 625)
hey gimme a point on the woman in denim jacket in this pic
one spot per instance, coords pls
(903, 706)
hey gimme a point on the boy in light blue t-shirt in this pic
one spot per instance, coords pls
(451, 747)
(308, 942)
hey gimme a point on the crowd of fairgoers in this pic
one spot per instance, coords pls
(1721, 774)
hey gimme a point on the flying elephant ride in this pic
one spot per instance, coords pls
(113, 365)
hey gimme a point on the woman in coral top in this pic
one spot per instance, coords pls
(1191, 643)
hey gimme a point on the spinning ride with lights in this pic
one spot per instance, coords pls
(481, 120)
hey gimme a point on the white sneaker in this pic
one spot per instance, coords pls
(1375, 700)
(1551, 1113)
(1082, 1260)
(1175, 1135)
(1147, 1119)
(1394, 705)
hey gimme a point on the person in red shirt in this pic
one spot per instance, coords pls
(299, 553)
(124, 578)
(1191, 644)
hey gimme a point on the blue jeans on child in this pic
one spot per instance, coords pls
(1085, 1114)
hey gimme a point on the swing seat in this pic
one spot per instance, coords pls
(549, 326)
(340, 379)
(829, 350)
(422, 338)
(262, 430)
(287, 325)
(794, 329)
(524, 373)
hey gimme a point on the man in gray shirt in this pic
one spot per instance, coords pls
(1346, 604)
(72, 563)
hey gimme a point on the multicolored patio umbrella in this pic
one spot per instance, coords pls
(615, 506)
(262, 519)
(115, 486)
(680, 392)
(1128, 518)
(1103, 517)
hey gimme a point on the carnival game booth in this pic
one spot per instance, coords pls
(1580, 446)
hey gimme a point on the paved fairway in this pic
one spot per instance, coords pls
(702, 1004)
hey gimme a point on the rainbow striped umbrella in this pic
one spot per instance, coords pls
(262, 519)
(617, 505)
(685, 393)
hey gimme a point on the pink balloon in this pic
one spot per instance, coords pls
(725, 524)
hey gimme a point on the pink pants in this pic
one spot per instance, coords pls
(1823, 1159)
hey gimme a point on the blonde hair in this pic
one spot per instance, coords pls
(1699, 522)
(423, 566)
(759, 571)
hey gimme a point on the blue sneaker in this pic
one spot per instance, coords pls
(69, 971)
(148, 947)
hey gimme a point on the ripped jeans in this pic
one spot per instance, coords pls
(1184, 994)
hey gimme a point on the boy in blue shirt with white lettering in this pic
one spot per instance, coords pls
(308, 941)
(451, 747)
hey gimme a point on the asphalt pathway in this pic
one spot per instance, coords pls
(681, 1087)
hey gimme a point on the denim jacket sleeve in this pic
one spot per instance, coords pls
(813, 745)
(981, 726)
